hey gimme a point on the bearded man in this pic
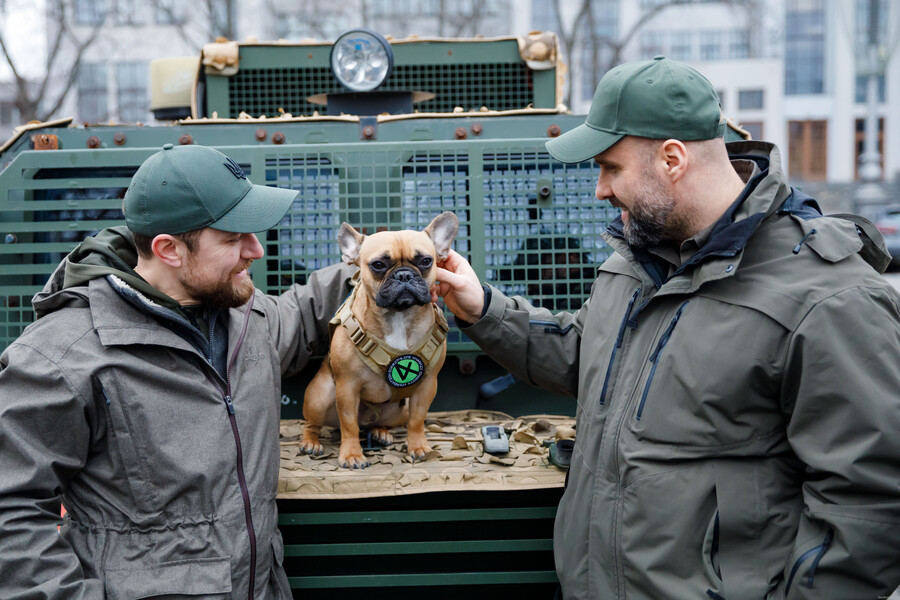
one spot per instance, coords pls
(735, 366)
(146, 398)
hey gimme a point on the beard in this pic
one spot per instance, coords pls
(222, 294)
(652, 217)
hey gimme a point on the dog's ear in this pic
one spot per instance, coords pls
(350, 240)
(442, 230)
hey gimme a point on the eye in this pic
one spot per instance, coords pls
(377, 265)
(426, 262)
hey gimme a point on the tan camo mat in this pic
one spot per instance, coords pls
(457, 461)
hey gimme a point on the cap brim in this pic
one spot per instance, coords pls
(581, 144)
(261, 209)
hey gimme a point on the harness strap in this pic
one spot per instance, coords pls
(376, 353)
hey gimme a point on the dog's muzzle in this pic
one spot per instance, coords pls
(402, 288)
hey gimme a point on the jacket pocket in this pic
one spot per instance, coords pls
(279, 586)
(195, 579)
(654, 358)
(803, 568)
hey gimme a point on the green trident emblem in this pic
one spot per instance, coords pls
(405, 370)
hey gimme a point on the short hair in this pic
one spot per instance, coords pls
(144, 243)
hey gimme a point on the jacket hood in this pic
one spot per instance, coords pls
(110, 252)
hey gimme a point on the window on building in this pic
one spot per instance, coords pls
(90, 12)
(653, 43)
(804, 65)
(754, 128)
(9, 114)
(132, 92)
(543, 16)
(860, 138)
(750, 99)
(739, 43)
(222, 18)
(862, 85)
(127, 12)
(606, 27)
(92, 107)
(808, 150)
(169, 12)
(711, 45)
(721, 95)
(681, 45)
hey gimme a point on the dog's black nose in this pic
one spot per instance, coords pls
(404, 275)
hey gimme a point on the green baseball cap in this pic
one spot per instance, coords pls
(182, 188)
(658, 99)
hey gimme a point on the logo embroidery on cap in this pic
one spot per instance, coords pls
(234, 168)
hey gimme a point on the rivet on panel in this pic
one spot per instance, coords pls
(186, 140)
(261, 134)
(93, 142)
(477, 129)
(461, 133)
(278, 138)
(554, 131)
(119, 139)
(368, 132)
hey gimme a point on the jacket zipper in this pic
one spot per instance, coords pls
(818, 551)
(242, 480)
(654, 358)
(619, 337)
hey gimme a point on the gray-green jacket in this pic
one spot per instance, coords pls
(738, 429)
(167, 468)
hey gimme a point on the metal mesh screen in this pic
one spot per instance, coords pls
(545, 248)
(498, 86)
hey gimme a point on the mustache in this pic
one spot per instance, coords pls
(242, 266)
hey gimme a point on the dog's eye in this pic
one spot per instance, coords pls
(377, 265)
(426, 262)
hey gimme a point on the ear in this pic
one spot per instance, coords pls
(675, 155)
(168, 249)
(350, 240)
(442, 230)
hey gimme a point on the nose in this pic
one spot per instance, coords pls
(603, 190)
(404, 275)
(251, 249)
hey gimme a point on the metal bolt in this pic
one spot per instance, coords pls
(186, 140)
(119, 139)
(278, 138)
(11, 238)
(461, 133)
(544, 192)
(261, 134)
(368, 132)
(93, 142)
(554, 131)
(476, 129)
(467, 366)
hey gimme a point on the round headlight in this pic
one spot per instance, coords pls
(361, 60)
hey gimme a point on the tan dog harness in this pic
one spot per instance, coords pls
(401, 368)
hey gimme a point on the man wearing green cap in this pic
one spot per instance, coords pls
(735, 367)
(146, 396)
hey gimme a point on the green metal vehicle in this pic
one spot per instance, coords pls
(454, 125)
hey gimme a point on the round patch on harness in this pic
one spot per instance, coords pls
(405, 370)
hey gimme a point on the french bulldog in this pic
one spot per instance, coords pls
(390, 316)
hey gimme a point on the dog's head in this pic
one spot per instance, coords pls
(397, 267)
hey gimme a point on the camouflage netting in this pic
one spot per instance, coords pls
(457, 460)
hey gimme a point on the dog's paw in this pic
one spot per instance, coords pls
(382, 437)
(418, 452)
(353, 460)
(313, 448)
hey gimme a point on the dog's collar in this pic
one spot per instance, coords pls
(380, 357)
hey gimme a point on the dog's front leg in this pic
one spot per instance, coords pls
(351, 455)
(419, 403)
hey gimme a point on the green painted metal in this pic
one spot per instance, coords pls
(419, 516)
(423, 579)
(443, 547)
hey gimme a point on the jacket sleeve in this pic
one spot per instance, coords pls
(842, 401)
(44, 443)
(531, 343)
(298, 318)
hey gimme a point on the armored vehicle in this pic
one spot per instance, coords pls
(382, 134)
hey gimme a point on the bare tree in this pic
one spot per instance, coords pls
(211, 19)
(39, 97)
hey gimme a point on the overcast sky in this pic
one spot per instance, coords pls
(22, 26)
